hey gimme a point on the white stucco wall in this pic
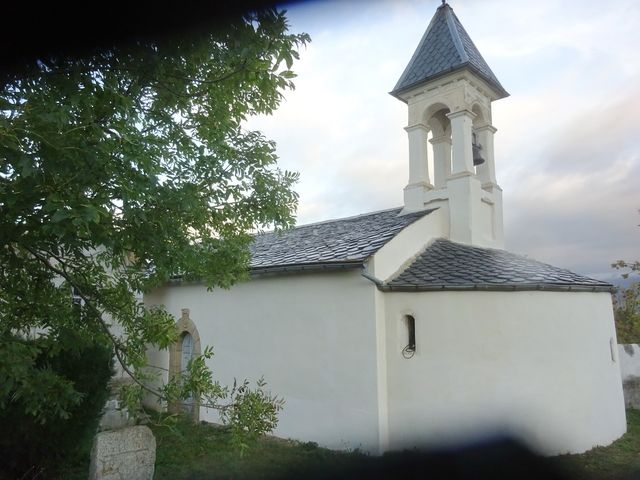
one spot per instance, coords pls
(313, 338)
(401, 250)
(487, 213)
(539, 363)
(382, 372)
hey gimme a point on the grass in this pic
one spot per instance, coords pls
(203, 451)
(619, 460)
(200, 451)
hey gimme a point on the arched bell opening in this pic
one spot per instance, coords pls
(482, 146)
(478, 150)
(440, 146)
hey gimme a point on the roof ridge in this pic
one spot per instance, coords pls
(455, 34)
(417, 51)
(474, 57)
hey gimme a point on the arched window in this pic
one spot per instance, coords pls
(188, 353)
(187, 350)
(180, 354)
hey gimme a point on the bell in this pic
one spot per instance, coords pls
(476, 147)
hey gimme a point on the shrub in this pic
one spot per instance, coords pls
(37, 446)
(626, 309)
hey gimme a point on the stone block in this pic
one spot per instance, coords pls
(128, 453)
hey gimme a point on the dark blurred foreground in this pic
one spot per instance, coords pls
(493, 458)
(32, 30)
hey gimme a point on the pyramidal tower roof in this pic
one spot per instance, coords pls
(444, 48)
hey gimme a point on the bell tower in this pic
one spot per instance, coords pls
(448, 88)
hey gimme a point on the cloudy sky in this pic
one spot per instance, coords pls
(568, 141)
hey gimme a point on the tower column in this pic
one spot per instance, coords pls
(418, 154)
(418, 167)
(441, 160)
(461, 138)
(487, 171)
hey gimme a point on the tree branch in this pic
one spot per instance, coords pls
(118, 350)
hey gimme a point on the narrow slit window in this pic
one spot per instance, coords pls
(410, 349)
(612, 348)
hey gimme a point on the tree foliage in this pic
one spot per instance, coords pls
(125, 167)
(626, 312)
(626, 303)
(32, 449)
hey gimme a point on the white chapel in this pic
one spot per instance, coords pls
(412, 326)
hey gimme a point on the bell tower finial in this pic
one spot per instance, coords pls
(448, 88)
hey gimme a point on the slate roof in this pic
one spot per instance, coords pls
(448, 265)
(347, 241)
(445, 47)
